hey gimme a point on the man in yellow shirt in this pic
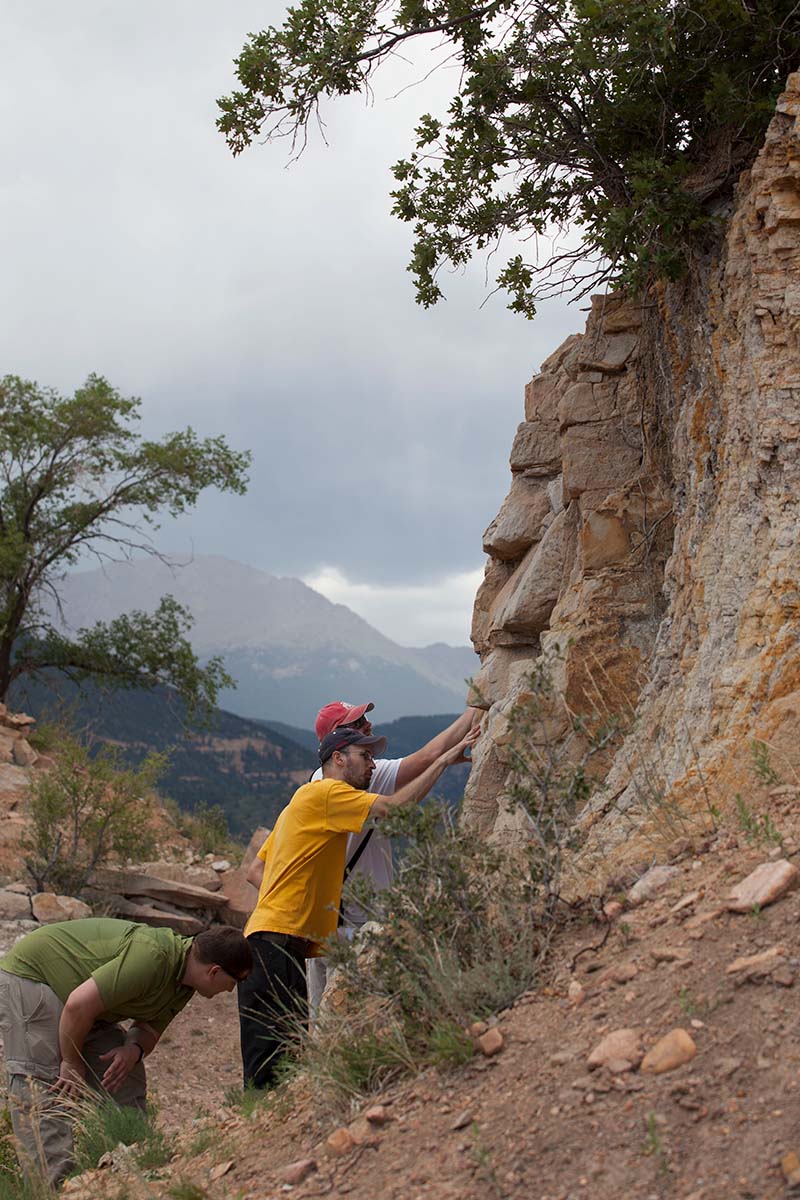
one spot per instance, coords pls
(302, 867)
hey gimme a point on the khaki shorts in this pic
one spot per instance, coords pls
(29, 1017)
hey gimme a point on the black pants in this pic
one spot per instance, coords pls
(273, 1004)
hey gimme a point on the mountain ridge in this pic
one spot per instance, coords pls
(290, 648)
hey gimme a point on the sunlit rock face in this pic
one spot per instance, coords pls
(651, 527)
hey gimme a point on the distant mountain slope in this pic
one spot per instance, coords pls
(250, 771)
(250, 768)
(290, 649)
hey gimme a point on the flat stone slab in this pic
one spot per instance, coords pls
(768, 883)
(199, 876)
(132, 883)
(148, 914)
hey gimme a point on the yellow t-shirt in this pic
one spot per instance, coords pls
(304, 861)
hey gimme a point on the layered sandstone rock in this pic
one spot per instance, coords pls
(650, 532)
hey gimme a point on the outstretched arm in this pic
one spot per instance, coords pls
(418, 788)
(414, 764)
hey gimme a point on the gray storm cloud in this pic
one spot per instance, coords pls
(243, 297)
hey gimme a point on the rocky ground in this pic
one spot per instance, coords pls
(539, 1119)
(569, 1099)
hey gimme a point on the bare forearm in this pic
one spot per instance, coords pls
(73, 1029)
(414, 791)
(454, 733)
(414, 764)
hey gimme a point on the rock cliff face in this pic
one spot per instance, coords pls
(651, 528)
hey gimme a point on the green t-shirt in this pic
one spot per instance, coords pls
(137, 968)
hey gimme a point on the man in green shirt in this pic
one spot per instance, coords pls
(63, 990)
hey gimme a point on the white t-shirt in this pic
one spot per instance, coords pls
(376, 860)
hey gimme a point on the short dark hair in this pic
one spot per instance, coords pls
(226, 947)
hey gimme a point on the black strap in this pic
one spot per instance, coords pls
(354, 857)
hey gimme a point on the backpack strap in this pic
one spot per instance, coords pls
(351, 862)
(356, 855)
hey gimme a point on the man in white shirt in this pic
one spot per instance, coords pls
(390, 774)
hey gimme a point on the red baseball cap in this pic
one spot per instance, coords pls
(337, 713)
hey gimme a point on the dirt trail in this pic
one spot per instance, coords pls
(197, 1061)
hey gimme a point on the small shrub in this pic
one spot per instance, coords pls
(183, 1189)
(154, 1152)
(244, 1100)
(206, 827)
(449, 1045)
(351, 1056)
(758, 828)
(203, 1140)
(10, 1173)
(102, 1125)
(762, 766)
(87, 811)
(45, 737)
(19, 1187)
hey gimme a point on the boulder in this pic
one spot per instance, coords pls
(536, 448)
(527, 608)
(541, 397)
(240, 896)
(622, 1044)
(669, 1052)
(296, 1172)
(13, 779)
(339, 1143)
(23, 753)
(585, 402)
(616, 315)
(48, 908)
(607, 354)
(492, 682)
(519, 521)
(764, 886)
(651, 883)
(496, 576)
(20, 721)
(491, 1042)
(601, 456)
(14, 906)
(7, 743)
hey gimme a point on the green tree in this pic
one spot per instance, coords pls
(626, 119)
(76, 478)
(87, 811)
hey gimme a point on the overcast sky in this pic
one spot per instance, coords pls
(267, 303)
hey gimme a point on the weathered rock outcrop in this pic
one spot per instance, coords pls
(651, 529)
